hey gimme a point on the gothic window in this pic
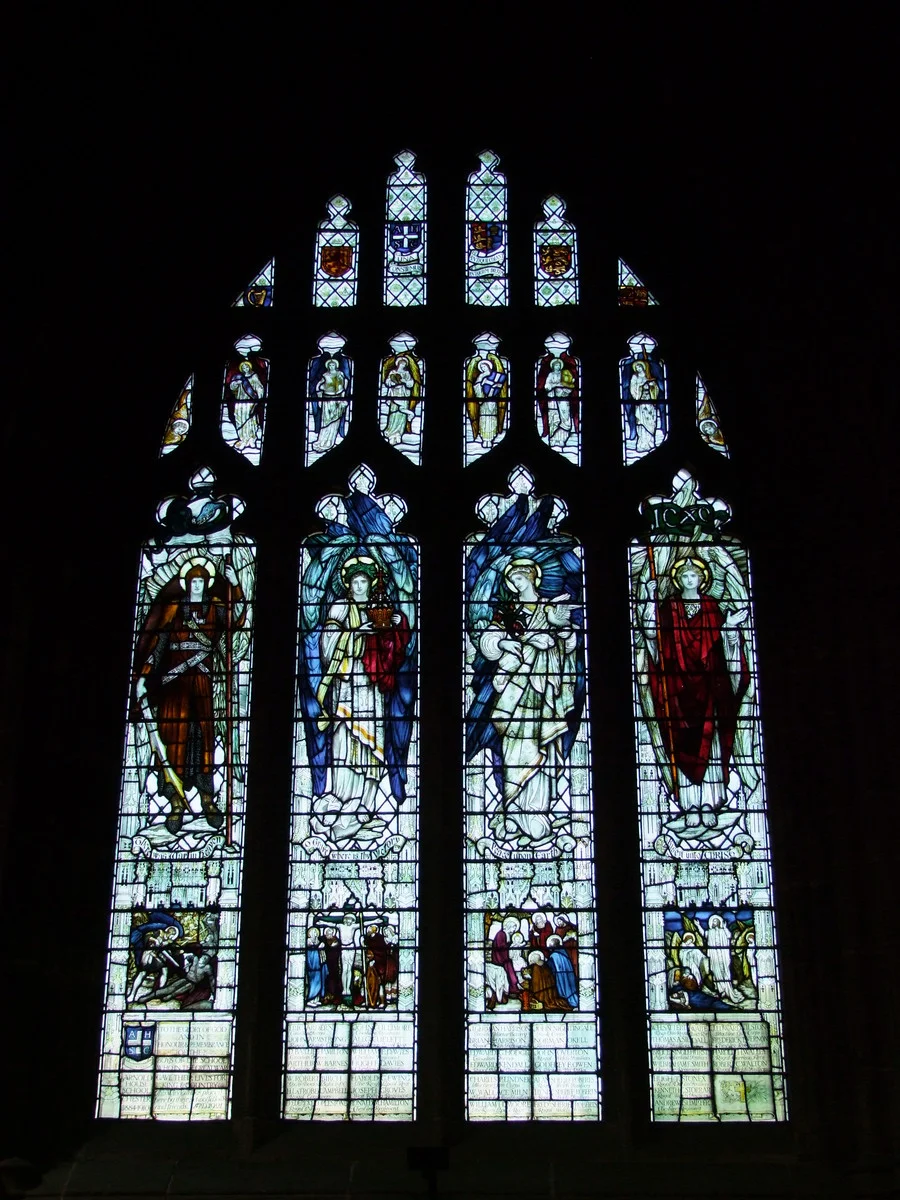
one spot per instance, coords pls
(437, 748)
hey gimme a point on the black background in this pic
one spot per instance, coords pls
(748, 179)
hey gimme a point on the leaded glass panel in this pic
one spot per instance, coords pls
(329, 397)
(168, 1027)
(557, 388)
(179, 423)
(350, 1030)
(532, 1030)
(336, 269)
(632, 292)
(486, 391)
(555, 257)
(714, 1007)
(645, 409)
(708, 420)
(401, 397)
(244, 393)
(486, 234)
(260, 292)
(405, 234)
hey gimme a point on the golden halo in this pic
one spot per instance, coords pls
(514, 563)
(197, 561)
(698, 563)
(362, 565)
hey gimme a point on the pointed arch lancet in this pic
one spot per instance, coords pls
(714, 1008)
(532, 1030)
(169, 1014)
(350, 1009)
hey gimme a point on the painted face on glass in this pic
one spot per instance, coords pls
(359, 588)
(198, 584)
(689, 579)
(521, 582)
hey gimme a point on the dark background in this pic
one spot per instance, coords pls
(750, 183)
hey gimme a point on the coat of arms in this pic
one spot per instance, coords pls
(337, 260)
(555, 259)
(486, 236)
(259, 297)
(406, 236)
(139, 1041)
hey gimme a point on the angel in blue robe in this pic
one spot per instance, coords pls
(524, 587)
(358, 670)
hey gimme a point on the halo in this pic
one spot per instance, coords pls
(523, 562)
(362, 565)
(695, 562)
(197, 561)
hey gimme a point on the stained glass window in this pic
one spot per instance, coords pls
(645, 409)
(486, 248)
(179, 423)
(336, 270)
(709, 922)
(329, 391)
(532, 1031)
(350, 1031)
(555, 257)
(244, 392)
(401, 397)
(405, 234)
(261, 291)
(486, 391)
(557, 387)
(708, 420)
(632, 292)
(168, 1030)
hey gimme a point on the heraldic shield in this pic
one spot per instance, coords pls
(406, 236)
(555, 260)
(486, 235)
(139, 1041)
(337, 260)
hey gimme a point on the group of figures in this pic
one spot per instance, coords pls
(711, 961)
(352, 962)
(173, 959)
(531, 962)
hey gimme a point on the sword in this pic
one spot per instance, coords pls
(157, 743)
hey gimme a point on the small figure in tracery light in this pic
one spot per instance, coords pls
(329, 391)
(401, 392)
(558, 392)
(645, 410)
(244, 398)
(487, 396)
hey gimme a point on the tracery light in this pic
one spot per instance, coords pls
(179, 423)
(260, 292)
(487, 255)
(708, 420)
(555, 256)
(336, 265)
(645, 408)
(557, 391)
(406, 234)
(401, 397)
(486, 392)
(245, 390)
(329, 393)
(633, 293)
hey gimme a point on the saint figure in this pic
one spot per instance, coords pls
(182, 646)
(697, 677)
(362, 647)
(531, 643)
